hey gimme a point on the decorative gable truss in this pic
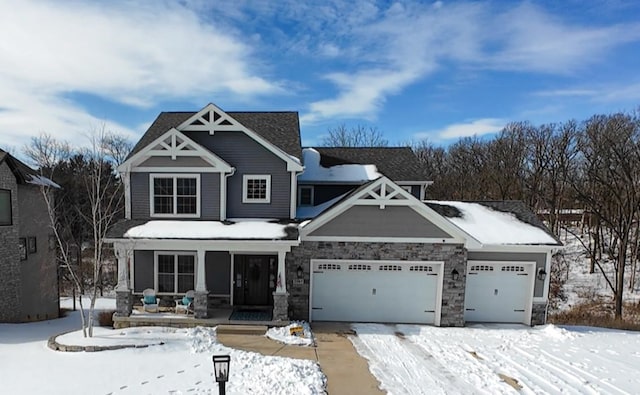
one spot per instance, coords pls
(383, 193)
(175, 146)
(212, 119)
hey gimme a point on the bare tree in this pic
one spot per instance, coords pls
(116, 147)
(106, 198)
(357, 136)
(609, 185)
(47, 153)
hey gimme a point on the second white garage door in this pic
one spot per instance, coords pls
(376, 291)
(499, 292)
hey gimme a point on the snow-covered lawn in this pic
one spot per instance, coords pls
(181, 365)
(412, 359)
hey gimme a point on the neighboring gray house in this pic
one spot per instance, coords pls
(230, 205)
(28, 270)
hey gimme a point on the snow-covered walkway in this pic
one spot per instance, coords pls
(411, 359)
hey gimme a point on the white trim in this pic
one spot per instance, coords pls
(264, 246)
(391, 195)
(300, 194)
(384, 239)
(532, 283)
(126, 178)
(132, 268)
(212, 126)
(246, 178)
(175, 263)
(408, 188)
(174, 169)
(200, 271)
(173, 151)
(439, 282)
(294, 195)
(175, 177)
(515, 248)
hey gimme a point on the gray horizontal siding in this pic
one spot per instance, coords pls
(143, 270)
(249, 157)
(209, 196)
(540, 258)
(371, 221)
(218, 272)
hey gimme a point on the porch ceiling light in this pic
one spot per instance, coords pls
(455, 275)
(542, 274)
(221, 370)
(300, 272)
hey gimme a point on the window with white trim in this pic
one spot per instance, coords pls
(175, 195)
(256, 188)
(305, 195)
(5, 207)
(176, 272)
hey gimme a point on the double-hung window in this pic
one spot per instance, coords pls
(174, 195)
(5, 207)
(256, 188)
(176, 272)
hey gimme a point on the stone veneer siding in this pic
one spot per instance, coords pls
(10, 289)
(454, 256)
(539, 313)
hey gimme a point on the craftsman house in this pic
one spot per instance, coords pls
(29, 279)
(229, 204)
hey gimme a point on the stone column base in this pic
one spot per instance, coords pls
(539, 314)
(201, 304)
(280, 306)
(124, 303)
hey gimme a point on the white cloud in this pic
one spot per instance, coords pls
(566, 92)
(410, 41)
(477, 127)
(125, 52)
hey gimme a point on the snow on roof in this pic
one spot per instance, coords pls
(42, 181)
(495, 227)
(250, 229)
(314, 211)
(313, 171)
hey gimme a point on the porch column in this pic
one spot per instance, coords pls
(123, 292)
(280, 296)
(200, 303)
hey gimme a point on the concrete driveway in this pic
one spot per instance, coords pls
(347, 372)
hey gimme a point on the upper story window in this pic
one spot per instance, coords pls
(256, 188)
(305, 195)
(5, 207)
(175, 195)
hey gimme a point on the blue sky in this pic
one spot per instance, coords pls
(413, 69)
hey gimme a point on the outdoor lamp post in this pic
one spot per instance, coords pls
(221, 370)
(455, 275)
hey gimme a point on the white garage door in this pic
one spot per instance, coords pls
(375, 291)
(499, 292)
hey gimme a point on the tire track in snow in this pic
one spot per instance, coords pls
(401, 366)
(582, 372)
(550, 375)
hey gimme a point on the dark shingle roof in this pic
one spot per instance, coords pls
(397, 163)
(281, 129)
(522, 212)
(22, 172)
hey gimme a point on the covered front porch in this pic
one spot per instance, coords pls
(228, 276)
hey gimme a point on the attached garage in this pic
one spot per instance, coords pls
(499, 292)
(376, 291)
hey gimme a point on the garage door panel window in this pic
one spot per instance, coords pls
(360, 267)
(481, 268)
(328, 266)
(421, 268)
(512, 268)
(390, 268)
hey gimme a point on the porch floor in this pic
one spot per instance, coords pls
(217, 316)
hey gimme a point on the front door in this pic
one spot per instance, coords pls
(253, 279)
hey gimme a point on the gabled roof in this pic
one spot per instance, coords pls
(282, 129)
(23, 173)
(396, 163)
(487, 222)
